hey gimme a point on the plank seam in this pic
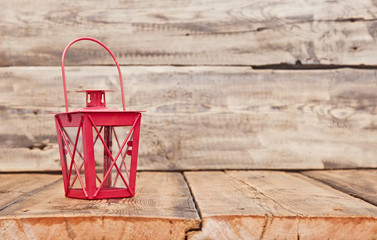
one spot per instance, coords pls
(273, 66)
(299, 66)
(293, 170)
(180, 170)
(298, 229)
(196, 205)
(264, 227)
(339, 188)
(31, 193)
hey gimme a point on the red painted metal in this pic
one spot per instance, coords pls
(98, 145)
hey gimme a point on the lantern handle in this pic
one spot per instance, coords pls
(108, 50)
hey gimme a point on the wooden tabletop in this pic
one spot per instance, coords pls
(339, 204)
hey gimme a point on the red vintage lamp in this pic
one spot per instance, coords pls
(98, 145)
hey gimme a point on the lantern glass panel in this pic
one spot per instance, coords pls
(73, 136)
(114, 137)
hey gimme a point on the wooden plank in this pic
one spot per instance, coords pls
(203, 117)
(15, 187)
(276, 205)
(162, 209)
(358, 183)
(190, 32)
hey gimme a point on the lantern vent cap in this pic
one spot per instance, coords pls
(95, 100)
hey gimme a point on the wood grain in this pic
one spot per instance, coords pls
(162, 208)
(14, 188)
(214, 32)
(203, 117)
(358, 183)
(276, 205)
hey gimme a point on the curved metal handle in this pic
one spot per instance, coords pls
(108, 50)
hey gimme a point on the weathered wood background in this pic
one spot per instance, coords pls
(226, 84)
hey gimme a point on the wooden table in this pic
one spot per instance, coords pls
(338, 204)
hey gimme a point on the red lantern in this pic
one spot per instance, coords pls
(98, 145)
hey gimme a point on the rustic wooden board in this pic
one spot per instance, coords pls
(214, 32)
(358, 183)
(276, 205)
(162, 209)
(203, 117)
(15, 187)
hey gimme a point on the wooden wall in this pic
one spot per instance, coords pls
(226, 84)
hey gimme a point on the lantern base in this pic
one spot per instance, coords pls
(104, 193)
